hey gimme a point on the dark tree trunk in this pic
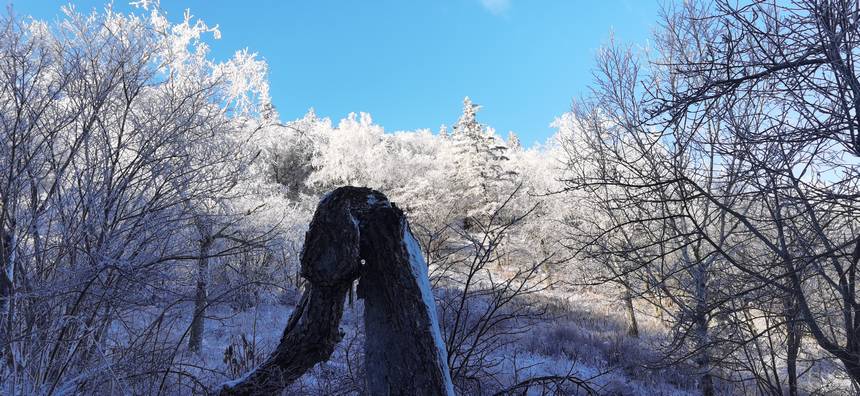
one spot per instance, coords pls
(632, 325)
(792, 343)
(702, 335)
(195, 338)
(6, 288)
(703, 360)
(402, 354)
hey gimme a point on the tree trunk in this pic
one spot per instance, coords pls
(702, 335)
(632, 325)
(792, 343)
(403, 351)
(703, 356)
(195, 338)
(7, 279)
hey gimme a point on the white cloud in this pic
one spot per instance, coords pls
(496, 7)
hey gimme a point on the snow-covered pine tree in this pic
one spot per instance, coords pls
(480, 171)
(514, 143)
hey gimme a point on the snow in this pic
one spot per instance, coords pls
(232, 383)
(419, 271)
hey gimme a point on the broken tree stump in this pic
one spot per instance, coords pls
(404, 352)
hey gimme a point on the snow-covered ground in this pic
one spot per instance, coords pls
(585, 337)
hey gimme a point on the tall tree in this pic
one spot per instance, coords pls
(480, 168)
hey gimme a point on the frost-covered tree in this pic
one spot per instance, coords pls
(288, 153)
(443, 131)
(349, 154)
(728, 158)
(514, 143)
(479, 160)
(116, 128)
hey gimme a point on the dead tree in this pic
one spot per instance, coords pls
(357, 232)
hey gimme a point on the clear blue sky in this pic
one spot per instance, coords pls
(410, 62)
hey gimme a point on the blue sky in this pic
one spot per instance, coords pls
(410, 62)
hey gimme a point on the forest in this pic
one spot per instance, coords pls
(691, 228)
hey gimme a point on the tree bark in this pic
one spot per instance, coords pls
(700, 323)
(7, 284)
(403, 354)
(195, 338)
(792, 342)
(703, 360)
(632, 325)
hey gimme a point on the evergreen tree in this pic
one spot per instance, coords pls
(514, 143)
(480, 170)
(443, 131)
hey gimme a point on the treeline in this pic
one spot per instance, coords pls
(711, 180)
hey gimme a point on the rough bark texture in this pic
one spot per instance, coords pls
(402, 357)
